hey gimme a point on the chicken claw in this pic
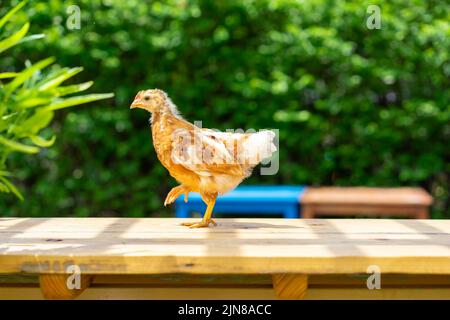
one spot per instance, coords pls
(201, 224)
(175, 193)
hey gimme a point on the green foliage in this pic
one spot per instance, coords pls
(354, 106)
(28, 100)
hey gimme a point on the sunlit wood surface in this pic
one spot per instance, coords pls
(329, 252)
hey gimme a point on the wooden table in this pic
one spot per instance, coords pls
(365, 201)
(238, 259)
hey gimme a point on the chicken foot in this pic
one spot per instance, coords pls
(175, 193)
(210, 201)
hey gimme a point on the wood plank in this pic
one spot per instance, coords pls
(290, 286)
(54, 286)
(333, 209)
(235, 246)
(179, 286)
(10, 293)
(367, 196)
(241, 280)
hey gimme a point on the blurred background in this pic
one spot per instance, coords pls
(354, 106)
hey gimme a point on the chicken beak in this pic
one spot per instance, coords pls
(135, 104)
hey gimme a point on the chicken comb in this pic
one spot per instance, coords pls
(138, 96)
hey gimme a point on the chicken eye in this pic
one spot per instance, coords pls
(147, 98)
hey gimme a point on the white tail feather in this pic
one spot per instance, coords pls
(259, 146)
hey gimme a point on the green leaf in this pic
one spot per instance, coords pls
(5, 121)
(68, 73)
(33, 102)
(17, 146)
(4, 188)
(63, 91)
(15, 38)
(5, 173)
(32, 38)
(28, 73)
(6, 75)
(11, 13)
(12, 188)
(69, 102)
(41, 142)
(34, 124)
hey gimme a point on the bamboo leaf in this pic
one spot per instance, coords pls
(41, 142)
(33, 102)
(17, 146)
(6, 75)
(12, 188)
(32, 38)
(34, 124)
(59, 79)
(63, 91)
(15, 38)
(4, 188)
(11, 13)
(28, 73)
(5, 173)
(69, 102)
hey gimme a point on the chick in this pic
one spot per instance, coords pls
(201, 160)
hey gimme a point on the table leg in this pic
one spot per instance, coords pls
(422, 214)
(290, 286)
(55, 286)
(307, 212)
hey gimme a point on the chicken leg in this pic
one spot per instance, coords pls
(175, 193)
(210, 200)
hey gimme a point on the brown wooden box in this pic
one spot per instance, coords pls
(354, 201)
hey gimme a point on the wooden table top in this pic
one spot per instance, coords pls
(234, 246)
(367, 196)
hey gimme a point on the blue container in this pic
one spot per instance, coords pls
(248, 200)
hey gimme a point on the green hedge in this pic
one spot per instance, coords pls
(354, 106)
(29, 99)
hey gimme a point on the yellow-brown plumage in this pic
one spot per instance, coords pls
(201, 160)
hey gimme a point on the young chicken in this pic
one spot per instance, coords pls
(201, 160)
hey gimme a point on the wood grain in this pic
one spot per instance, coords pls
(54, 286)
(366, 196)
(290, 286)
(236, 246)
(188, 293)
(239, 280)
(245, 286)
(363, 201)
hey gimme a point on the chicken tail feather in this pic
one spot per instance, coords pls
(258, 146)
